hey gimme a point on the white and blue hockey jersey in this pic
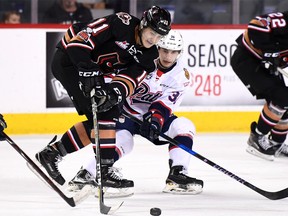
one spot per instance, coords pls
(163, 90)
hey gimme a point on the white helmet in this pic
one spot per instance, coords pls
(173, 41)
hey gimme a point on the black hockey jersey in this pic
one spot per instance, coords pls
(266, 33)
(111, 42)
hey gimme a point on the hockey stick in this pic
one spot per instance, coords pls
(72, 201)
(104, 209)
(270, 195)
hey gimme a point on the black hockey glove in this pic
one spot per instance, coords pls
(271, 61)
(151, 126)
(107, 97)
(89, 79)
(3, 125)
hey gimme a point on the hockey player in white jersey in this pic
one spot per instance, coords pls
(154, 102)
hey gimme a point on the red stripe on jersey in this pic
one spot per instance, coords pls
(163, 105)
(159, 74)
(118, 152)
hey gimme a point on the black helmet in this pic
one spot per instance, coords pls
(157, 19)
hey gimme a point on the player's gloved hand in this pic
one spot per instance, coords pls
(271, 61)
(151, 126)
(3, 125)
(107, 97)
(89, 78)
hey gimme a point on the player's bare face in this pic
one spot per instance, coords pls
(167, 57)
(13, 19)
(150, 37)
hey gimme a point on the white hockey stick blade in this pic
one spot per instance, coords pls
(83, 194)
(109, 192)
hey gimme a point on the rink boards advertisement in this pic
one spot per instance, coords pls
(31, 95)
(207, 55)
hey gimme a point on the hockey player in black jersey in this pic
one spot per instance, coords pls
(120, 44)
(262, 49)
(155, 101)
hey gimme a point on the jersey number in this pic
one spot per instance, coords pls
(277, 20)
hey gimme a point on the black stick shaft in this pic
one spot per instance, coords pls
(69, 200)
(270, 195)
(104, 209)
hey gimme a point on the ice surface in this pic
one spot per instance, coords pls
(23, 194)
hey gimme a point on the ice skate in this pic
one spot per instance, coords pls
(281, 149)
(49, 158)
(259, 145)
(178, 182)
(113, 183)
(82, 178)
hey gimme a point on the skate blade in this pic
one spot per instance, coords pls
(75, 187)
(83, 194)
(192, 189)
(255, 152)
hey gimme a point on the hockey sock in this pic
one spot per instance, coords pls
(269, 117)
(278, 135)
(177, 155)
(76, 138)
(279, 132)
(107, 141)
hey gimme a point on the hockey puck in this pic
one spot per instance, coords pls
(155, 211)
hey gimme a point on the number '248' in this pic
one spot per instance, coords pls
(207, 85)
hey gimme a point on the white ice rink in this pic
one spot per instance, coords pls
(23, 194)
